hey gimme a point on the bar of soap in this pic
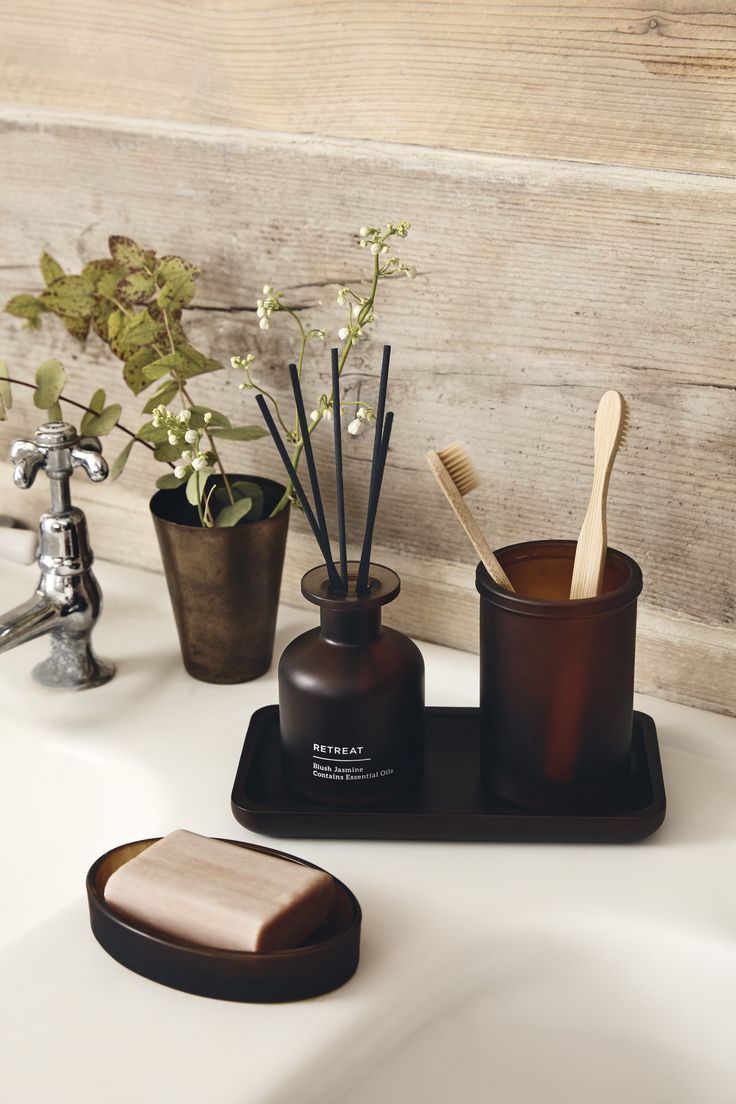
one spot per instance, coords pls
(221, 895)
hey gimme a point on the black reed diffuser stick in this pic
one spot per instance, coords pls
(362, 586)
(303, 500)
(340, 486)
(365, 555)
(309, 453)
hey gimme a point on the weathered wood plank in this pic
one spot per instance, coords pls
(618, 82)
(539, 286)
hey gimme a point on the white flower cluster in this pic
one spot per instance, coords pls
(375, 239)
(180, 432)
(244, 364)
(361, 421)
(266, 306)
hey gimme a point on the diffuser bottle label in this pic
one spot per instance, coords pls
(346, 763)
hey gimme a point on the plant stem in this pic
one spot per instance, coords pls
(184, 397)
(81, 406)
(298, 448)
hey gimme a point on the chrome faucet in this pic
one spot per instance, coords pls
(68, 599)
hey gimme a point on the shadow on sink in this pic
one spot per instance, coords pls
(640, 1017)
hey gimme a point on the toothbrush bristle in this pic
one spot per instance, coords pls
(624, 432)
(460, 468)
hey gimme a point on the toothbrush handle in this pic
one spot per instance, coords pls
(590, 554)
(468, 522)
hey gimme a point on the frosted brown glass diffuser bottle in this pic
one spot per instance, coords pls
(351, 692)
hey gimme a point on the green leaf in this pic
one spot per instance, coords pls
(196, 484)
(116, 468)
(231, 515)
(6, 395)
(97, 402)
(177, 292)
(154, 434)
(69, 297)
(99, 425)
(137, 287)
(54, 414)
(133, 370)
(126, 252)
(243, 488)
(50, 269)
(170, 482)
(96, 405)
(77, 327)
(162, 397)
(165, 451)
(218, 420)
(49, 385)
(28, 307)
(240, 433)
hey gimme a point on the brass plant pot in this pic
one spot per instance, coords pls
(224, 584)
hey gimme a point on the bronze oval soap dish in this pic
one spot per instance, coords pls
(326, 960)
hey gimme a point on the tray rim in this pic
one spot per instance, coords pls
(250, 816)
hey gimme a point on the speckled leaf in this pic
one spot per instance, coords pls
(170, 266)
(69, 296)
(177, 292)
(50, 269)
(118, 464)
(28, 307)
(49, 384)
(133, 370)
(77, 327)
(109, 279)
(137, 287)
(126, 252)
(158, 368)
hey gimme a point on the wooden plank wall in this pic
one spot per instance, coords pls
(568, 172)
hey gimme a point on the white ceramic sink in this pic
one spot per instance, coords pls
(489, 974)
(635, 1016)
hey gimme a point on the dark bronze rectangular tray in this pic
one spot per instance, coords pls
(450, 804)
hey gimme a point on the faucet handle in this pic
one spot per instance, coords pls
(58, 450)
(88, 455)
(27, 459)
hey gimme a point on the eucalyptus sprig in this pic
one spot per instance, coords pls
(134, 301)
(360, 314)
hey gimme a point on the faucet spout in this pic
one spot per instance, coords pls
(27, 621)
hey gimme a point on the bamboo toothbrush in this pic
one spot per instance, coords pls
(611, 422)
(457, 477)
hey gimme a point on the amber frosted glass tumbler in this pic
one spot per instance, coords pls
(351, 698)
(556, 679)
